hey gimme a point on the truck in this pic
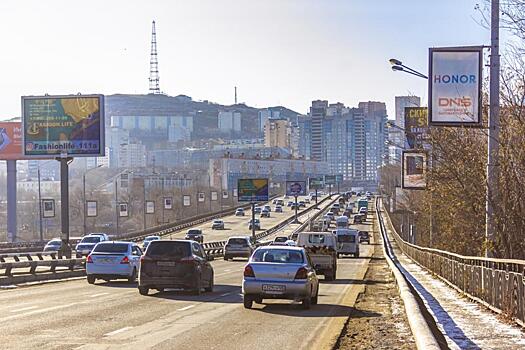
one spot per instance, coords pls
(322, 250)
(347, 242)
(362, 203)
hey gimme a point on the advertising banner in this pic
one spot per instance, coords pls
(63, 126)
(416, 127)
(11, 141)
(252, 190)
(224, 194)
(201, 197)
(168, 203)
(414, 170)
(186, 201)
(150, 207)
(316, 183)
(454, 84)
(329, 179)
(214, 195)
(295, 188)
(48, 208)
(123, 210)
(91, 208)
(235, 192)
(339, 178)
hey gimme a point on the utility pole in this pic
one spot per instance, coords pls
(493, 132)
(40, 206)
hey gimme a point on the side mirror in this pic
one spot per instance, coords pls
(209, 258)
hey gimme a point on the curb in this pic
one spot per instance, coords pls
(422, 333)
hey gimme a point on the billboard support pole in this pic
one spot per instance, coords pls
(65, 249)
(11, 200)
(296, 221)
(254, 239)
(316, 207)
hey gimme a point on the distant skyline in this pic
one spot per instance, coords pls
(277, 52)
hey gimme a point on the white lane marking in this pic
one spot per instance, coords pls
(24, 309)
(117, 331)
(225, 294)
(227, 270)
(40, 311)
(98, 295)
(186, 308)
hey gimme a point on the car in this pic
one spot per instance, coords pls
(280, 239)
(290, 203)
(364, 236)
(87, 243)
(278, 209)
(194, 234)
(290, 243)
(274, 201)
(113, 260)
(358, 219)
(177, 264)
(267, 207)
(238, 247)
(331, 215)
(328, 218)
(217, 224)
(265, 213)
(307, 200)
(293, 206)
(257, 210)
(257, 224)
(280, 272)
(280, 202)
(239, 212)
(148, 240)
(53, 245)
(302, 204)
(105, 235)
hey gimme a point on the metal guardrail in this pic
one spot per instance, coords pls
(71, 264)
(499, 284)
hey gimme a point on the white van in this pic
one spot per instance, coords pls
(341, 222)
(347, 242)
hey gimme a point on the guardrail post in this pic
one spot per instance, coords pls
(53, 266)
(8, 268)
(32, 269)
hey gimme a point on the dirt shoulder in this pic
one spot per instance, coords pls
(378, 320)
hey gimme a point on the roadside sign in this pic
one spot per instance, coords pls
(91, 208)
(329, 179)
(123, 210)
(69, 125)
(214, 195)
(201, 197)
(252, 190)
(150, 207)
(316, 183)
(416, 126)
(339, 178)
(168, 203)
(414, 170)
(295, 188)
(48, 208)
(186, 201)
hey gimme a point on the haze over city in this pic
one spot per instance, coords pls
(277, 52)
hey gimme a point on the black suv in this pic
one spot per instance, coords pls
(194, 234)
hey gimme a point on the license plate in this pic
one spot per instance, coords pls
(105, 260)
(273, 288)
(165, 263)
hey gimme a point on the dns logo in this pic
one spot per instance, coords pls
(455, 102)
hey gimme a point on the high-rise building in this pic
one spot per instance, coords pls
(132, 155)
(229, 121)
(401, 103)
(317, 115)
(277, 133)
(375, 135)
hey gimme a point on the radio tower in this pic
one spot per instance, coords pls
(153, 64)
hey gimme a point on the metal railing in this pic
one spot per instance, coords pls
(499, 284)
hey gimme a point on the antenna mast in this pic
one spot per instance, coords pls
(236, 95)
(154, 64)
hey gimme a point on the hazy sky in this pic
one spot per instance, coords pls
(278, 52)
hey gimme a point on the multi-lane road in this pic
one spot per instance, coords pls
(75, 315)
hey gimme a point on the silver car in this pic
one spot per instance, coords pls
(238, 247)
(280, 272)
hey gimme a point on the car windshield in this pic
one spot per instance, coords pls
(54, 242)
(280, 239)
(90, 239)
(169, 249)
(111, 248)
(316, 239)
(217, 221)
(194, 232)
(346, 239)
(281, 256)
(238, 241)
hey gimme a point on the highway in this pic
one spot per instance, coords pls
(75, 315)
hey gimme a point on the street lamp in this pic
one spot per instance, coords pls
(397, 65)
(84, 195)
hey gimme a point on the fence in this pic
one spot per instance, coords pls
(499, 284)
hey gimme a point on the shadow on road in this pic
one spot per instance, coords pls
(222, 293)
(319, 310)
(351, 281)
(116, 284)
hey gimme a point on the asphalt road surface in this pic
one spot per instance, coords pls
(110, 315)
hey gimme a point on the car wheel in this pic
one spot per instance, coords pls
(248, 302)
(143, 290)
(258, 300)
(316, 296)
(210, 285)
(226, 257)
(307, 303)
(91, 279)
(133, 277)
(338, 255)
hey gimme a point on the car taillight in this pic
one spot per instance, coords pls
(248, 271)
(124, 260)
(88, 259)
(301, 274)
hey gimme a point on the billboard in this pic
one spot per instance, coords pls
(454, 86)
(150, 207)
(214, 195)
(416, 127)
(329, 179)
(168, 203)
(186, 201)
(11, 141)
(48, 208)
(252, 190)
(414, 170)
(91, 208)
(339, 178)
(295, 188)
(123, 210)
(201, 197)
(315, 183)
(63, 126)
(224, 194)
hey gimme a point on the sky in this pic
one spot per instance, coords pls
(277, 52)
